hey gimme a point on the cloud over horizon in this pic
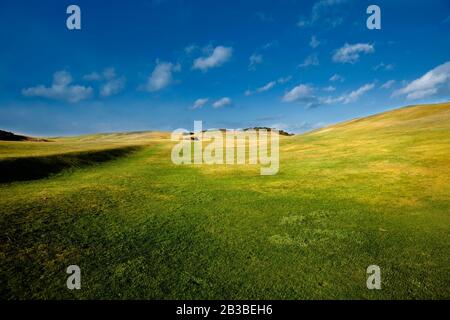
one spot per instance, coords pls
(305, 94)
(199, 103)
(434, 82)
(352, 96)
(61, 89)
(225, 101)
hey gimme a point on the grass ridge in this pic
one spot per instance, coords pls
(38, 167)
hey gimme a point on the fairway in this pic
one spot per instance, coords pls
(371, 191)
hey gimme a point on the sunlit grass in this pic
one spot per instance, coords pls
(371, 191)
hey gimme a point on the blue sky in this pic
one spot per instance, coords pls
(161, 64)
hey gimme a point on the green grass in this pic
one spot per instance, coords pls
(370, 191)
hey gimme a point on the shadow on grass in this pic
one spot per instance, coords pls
(31, 168)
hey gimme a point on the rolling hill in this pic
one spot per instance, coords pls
(374, 190)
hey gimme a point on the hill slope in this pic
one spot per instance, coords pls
(369, 191)
(9, 136)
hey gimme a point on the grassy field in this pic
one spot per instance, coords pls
(369, 191)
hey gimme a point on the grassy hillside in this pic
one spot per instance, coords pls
(31, 160)
(369, 191)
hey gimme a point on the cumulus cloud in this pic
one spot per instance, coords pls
(314, 43)
(161, 76)
(269, 45)
(199, 103)
(434, 82)
(305, 94)
(112, 87)
(93, 76)
(266, 87)
(302, 22)
(61, 89)
(328, 12)
(384, 66)
(216, 58)
(350, 97)
(311, 60)
(284, 79)
(297, 127)
(254, 60)
(336, 78)
(190, 48)
(225, 101)
(269, 85)
(350, 53)
(329, 89)
(299, 93)
(388, 84)
(111, 83)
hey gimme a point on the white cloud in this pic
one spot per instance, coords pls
(254, 60)
(311, 60)
(284, 79)
(336, 77)
(329, 89)
(388, 84)
(93, 76)
(384, 66)
(433, 82)
(350, 53)
(328, 12)
(222, 102)
(111, 83)
(60, 89)
(112, 87)
(322, 7)
(216, 58)
(109, 73)
(314, 43)
(302, 22)
(297, 127)
(269, 45)
(200, 103)
(350, 97)
(269, 85)
(266, 87)
(300, 92)
(161, 76)
(190, 48)
(305, 94)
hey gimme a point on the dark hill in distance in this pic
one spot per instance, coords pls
(9, 136)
